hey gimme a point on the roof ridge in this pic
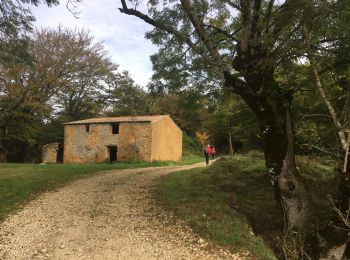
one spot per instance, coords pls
(101, 120)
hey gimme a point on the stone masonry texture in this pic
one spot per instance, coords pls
(49, 153)
(144, 141)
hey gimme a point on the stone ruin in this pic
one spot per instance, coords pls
(50, 153)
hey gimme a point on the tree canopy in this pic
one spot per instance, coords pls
(68, 79)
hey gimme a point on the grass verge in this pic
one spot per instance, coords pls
(20, 183)
(228, 200)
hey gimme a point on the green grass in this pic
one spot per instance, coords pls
(225, 201)
(20, 183)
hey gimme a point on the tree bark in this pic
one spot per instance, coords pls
(290, 192)
(230, 141)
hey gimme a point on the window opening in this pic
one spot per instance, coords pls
(115, 128)
(87, 128)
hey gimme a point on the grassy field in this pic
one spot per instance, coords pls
(231, 200)
(20, 183)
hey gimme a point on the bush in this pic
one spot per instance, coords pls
(255, 154)
(190, 145)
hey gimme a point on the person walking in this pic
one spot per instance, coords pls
(213, 152)
(210, 151)
(206, 154)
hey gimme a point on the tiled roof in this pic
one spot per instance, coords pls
(120, 119)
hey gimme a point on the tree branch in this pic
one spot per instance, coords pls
(227, 34)
(319, 85)
(240, 88)
(180, 36)
(199, 27)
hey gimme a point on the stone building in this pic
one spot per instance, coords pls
(144, 138)
(50, 153)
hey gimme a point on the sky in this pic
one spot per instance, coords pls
(122, 35)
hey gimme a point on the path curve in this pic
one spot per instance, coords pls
(110, 215)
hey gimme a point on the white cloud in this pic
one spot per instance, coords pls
(122, 35)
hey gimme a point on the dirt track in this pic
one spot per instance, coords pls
(110, 215)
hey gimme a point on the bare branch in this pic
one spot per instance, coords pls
(227, 34)
(72, 6)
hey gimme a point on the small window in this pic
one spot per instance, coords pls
(115, 128)
(87, 128)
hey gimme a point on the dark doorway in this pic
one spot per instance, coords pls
(113, 150)
(59, 156)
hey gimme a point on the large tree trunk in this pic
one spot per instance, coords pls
(290, 192)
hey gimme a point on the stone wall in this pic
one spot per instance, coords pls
(49, 153)
(80, 146)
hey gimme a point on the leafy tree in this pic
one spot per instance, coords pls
(67, 80)
(243, 51)
(127, 98)
(77, 69)
(22, 102)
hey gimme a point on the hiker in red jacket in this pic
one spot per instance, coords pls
(210, 150)
(213, 152)
(207, 153)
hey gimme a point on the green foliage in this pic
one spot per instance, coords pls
(190, 145)
(329, 39)
(313, 125)
(187, 108)
(126, 98)
(232, 117)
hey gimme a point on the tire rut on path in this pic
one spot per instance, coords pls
(111, 215)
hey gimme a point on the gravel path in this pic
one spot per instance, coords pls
(110, 215)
